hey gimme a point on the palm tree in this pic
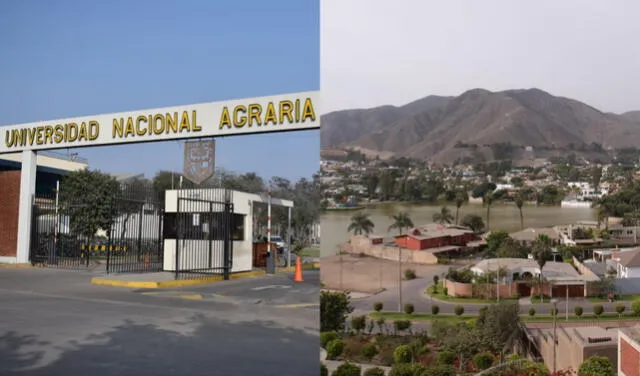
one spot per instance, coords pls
(488, 199)
(444, 216)
(361, 224)
(519, 202)
(541, 252)
(401, 221)
(461, 198)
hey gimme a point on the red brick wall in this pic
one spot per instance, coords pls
(9, 197)
(629, 359)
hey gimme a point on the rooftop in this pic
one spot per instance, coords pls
(531, 234)
(632, 332)
(588, 335)
(434, 230)
(552, 271)
(630, 258)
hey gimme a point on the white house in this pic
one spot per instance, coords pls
(628, 263)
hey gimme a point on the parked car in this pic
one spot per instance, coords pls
(279, 242)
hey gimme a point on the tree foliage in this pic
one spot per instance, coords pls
(334, 309)
(90, 199)
(596, 366)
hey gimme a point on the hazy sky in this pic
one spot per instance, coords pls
(376, 52)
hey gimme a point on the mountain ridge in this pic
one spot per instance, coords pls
(434, 127)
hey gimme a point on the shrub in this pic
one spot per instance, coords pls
(375, 371)
(553, 311)
(380, 321)
(435, 310)
(347, 369)
(483, 360)
(323, 370)
(532, 311)
(359, 323)
(598, 309)
(386, 357)
(436, 279)
(369, 351)
(402, 354)
(440, 370)
(409, 274)
(635, 307)
(446, 357)
(335, 307)
(378, 306)
(578, 311)
(401, 325)
(406, 369)
(620, 309)
(326, 337)
(445, 291)
(334, 349)
(459, 310)
(409, 308)
(596, 366)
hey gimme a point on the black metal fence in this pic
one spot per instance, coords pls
(124, 234)
(202, 232)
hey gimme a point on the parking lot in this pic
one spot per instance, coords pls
(56, 322)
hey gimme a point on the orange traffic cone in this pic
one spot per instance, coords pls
(298, 276)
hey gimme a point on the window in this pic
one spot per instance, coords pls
(203, 226)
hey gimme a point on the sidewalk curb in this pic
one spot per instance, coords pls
(26, 265)
(115, 282)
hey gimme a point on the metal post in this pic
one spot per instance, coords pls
(555, 338)
(399, 279)
(139, 251)
(289, 238)
(498, 283)
(210, 237)
(566, 314)
(271, 259)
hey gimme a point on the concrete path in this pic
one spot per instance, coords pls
(57, 323)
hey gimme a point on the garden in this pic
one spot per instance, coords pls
(396, 348)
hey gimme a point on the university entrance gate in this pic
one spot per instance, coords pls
(133, 236)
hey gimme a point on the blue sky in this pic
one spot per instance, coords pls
(75, 58)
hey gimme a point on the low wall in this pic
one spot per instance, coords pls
(466, 290)
(363, 245)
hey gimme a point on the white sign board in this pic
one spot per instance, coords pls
(288, 112)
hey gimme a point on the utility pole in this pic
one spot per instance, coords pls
(566, 304)
(399, 279)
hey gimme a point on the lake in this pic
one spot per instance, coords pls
(503, 217)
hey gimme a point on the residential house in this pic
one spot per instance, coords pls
(627, 263)
(629, 351)
(436, 237)
(529, 235)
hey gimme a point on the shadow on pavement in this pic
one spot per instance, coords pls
(133, 349)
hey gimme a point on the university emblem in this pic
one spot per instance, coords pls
(199, 160)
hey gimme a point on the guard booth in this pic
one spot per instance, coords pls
(211, 230)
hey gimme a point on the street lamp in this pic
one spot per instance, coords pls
(555, 326)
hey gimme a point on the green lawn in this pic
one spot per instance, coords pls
(438, 294)
(523, 317)
(536, 299)
(310, 252)
(627, 297)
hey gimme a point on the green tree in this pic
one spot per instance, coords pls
(473, 221)
(461, 197)
(401, 221)
(510, 248)
(519, 200)
(494, 241)
(541, 252)
(361, 224)
(596, 366)
(444, 216)
(334, 309)
(90, 199)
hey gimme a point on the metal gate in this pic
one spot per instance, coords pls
(204, 228)
(64, 235)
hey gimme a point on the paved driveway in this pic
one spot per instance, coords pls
(56, 323)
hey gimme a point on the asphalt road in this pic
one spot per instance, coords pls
(56, 323)
(413, 292)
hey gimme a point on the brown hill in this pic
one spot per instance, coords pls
(435, 127)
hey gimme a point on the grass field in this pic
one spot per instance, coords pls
(310, 252)
(627, 297)
(439, 295)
